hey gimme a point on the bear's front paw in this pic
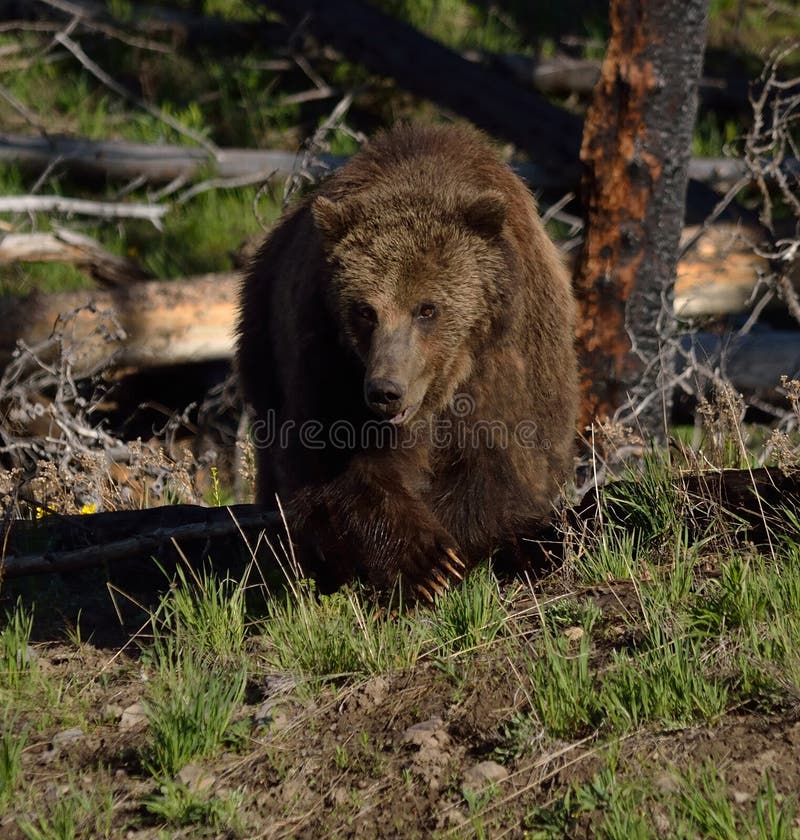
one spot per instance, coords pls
(430, 564)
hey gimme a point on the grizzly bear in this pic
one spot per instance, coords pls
(406, 340)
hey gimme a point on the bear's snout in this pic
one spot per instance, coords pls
(384, 396)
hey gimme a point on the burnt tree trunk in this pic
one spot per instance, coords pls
(635, 156)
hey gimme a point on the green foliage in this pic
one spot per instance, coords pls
(667, 683)
(468, 616)
(702, 807)
(740, 597)
(458, 24)
(200, 671)
(204, 615)
(645, 499)
(11, 746)
(179, 806)
(562, 687)
(190, 708)
(567, 612)
(696, 804)
(612, 556)
(199, 236)
(73, 815)
(713, 134)
(322, 637)
(15, 655)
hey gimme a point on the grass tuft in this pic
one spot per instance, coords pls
(15, 654)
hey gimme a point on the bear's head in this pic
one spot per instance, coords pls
(417, 287)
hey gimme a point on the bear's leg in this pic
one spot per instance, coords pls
(366, 523)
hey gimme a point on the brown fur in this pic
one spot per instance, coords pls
(422, 217)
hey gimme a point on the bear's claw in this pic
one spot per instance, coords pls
(440, 579)
(448, 567)
(455, 558)
(421, 590)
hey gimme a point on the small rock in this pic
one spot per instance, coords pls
(666, 783)
(65, 738)
(483, 774)
(373, 693)
(62, 656)
(428, 734)
(338, 796)
(268, 714)
(793, 735)
(195, 778)
(133, 717)
(740, 797)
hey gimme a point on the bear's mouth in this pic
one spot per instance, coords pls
(404, 415)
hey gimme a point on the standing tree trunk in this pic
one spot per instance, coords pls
(635, 156)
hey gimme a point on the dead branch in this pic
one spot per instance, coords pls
(162, 163)
(62, 418)
(550, 135)
(103, 209)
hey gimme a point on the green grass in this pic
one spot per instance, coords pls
(697, 803)
(204, 615)
(199, 671)
(469, 616)
(74, 814)
(645, 634)
(198, 237)
(16, 659)
(178, 806)
(561, 687)
(331, 637)
(11, 745)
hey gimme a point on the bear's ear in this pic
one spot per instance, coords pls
(487, 213)
(330, 218)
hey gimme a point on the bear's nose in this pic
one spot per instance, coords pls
(384, 395)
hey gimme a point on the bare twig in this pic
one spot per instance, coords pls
(26, 114)
(224, 184)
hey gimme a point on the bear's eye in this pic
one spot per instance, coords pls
(426, 311)
(366, 313)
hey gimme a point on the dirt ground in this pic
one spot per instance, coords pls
(423, 753)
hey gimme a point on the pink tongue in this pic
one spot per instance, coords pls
(398, 418)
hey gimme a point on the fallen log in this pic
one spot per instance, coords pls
(755, 500)
(57, 544)
(156, 163)
(164, 322)
(390, 47)
(752, 363)
(67, 246)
